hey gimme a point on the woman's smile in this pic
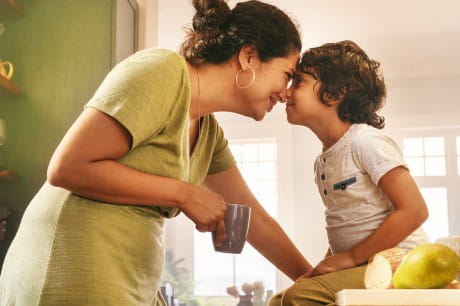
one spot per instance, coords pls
(272, 103)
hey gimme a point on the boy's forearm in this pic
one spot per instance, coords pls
(410, 213)
(394, 229)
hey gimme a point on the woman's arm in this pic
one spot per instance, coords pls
(410, 213)
(85, 162)
(265, 234)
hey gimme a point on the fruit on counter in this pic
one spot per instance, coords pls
(454, 285)
(428, 266)
(379, 272)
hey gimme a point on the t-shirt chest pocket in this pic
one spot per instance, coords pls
(345, 189)
(342, 185)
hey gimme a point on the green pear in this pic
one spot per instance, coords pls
(428, 266)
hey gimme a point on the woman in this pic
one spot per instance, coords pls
(142, 150)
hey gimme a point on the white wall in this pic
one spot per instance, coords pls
(423, 101)
(431, 100)
(148, 23)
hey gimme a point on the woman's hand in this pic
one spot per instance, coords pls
(206, 209)
(336, 262)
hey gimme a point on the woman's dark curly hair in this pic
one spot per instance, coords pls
(218, 33)
(346, 71)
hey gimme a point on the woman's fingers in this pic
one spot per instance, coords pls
(206, 227)
(202, 227)
(321, 269)
(205, 208)
(220, 232)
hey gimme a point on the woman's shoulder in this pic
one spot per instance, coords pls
(150, 69)
(155, 58)
(157, 53)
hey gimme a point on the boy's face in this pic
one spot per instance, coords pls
(303, 106)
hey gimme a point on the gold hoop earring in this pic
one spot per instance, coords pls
(250, 82)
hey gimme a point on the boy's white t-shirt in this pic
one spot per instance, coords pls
(347, 175)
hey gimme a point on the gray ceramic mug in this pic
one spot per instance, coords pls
(237, 220)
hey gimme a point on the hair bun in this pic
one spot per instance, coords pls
(218, 33)
(210, 14)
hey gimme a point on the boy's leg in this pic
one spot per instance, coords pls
(276, 299)
(320, 290)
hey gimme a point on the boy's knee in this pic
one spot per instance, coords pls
(307, 292)
(276, 299)
(295, 294)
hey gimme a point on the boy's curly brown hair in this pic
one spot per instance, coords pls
(345, 71)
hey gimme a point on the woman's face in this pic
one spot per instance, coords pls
(270, 85)
(303, 104)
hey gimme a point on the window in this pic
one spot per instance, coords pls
(213, 271)
(433, 157)
(425, 155)
(437, 225)
(458, 155)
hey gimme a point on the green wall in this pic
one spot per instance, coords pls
(61, 50)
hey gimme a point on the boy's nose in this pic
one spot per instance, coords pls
(288, 92)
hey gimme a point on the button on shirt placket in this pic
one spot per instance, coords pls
(323, 176)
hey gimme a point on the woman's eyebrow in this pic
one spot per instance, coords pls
(291, 72)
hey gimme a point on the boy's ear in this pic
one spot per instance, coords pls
(248, 56)
(335, 100)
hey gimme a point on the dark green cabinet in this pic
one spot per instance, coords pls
(61, 50)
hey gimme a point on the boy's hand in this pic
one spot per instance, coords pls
(333, 263)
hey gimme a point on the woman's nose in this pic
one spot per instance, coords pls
(284, 95)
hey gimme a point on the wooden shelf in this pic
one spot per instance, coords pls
(10, 86)
(16, 6)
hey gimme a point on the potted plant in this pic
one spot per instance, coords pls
(179, 278)
(254, 294)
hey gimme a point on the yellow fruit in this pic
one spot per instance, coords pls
(427, 266)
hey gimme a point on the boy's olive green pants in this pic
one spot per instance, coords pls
(320, 290)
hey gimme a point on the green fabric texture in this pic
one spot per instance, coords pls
(70, 250)
(149, 94)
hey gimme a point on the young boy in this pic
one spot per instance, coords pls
(372, 202)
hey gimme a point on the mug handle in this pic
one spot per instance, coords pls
(10, 69)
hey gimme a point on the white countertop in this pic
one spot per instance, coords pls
(389, 297)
